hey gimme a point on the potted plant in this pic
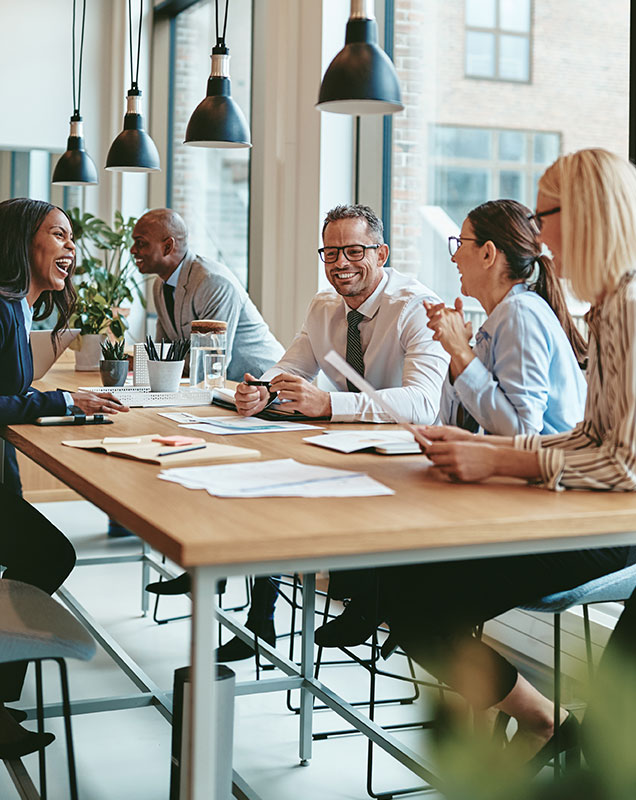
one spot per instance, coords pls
(114, 364)
(105, 280)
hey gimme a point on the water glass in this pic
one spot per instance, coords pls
(214, 371)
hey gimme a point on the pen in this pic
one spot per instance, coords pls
(182, 450)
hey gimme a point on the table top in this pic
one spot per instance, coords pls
(425, 513)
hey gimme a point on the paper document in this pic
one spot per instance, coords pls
(279, 478)
(352, 441)
(222, 426)
(145, 448)
(357, 380)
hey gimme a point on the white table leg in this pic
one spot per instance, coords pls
(203, 729)
(307, 667)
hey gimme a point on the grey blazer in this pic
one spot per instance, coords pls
(208, 290)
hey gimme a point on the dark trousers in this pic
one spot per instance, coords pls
(433, 608)
(264, 595)
(34, 551)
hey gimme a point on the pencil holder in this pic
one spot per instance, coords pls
(164, 376)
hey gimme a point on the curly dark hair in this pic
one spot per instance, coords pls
(20, 219)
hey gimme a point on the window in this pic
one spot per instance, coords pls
(470, 165)
(209, 187)
(497, 44)
(461, 142)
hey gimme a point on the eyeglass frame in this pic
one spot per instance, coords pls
(459, 240)
(537, 216)
(365, 247)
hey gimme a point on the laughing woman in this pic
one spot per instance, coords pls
(37, 257)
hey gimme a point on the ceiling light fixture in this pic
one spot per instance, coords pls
(218, 120)
(75, 167)
(361, 79)
(133, 150)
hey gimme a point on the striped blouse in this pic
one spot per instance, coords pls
(600, 452)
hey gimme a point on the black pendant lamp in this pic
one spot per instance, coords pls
(361, 79)
(75, 167)
(133, 150)
(218, 121)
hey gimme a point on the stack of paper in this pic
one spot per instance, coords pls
(222, 426)
(279, 478)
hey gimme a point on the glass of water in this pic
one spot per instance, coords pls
(214, 371)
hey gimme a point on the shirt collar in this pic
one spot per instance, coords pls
(491, 319)
(173, 279)
(371, 305)
(27, 313)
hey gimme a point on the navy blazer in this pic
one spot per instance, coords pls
(19, 401)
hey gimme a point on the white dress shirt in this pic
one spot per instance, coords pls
(400, 356)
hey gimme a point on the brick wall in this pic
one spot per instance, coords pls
(578, 88)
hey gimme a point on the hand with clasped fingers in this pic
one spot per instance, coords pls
(250, 400)
(452, 331)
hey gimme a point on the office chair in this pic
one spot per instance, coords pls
(34, 627)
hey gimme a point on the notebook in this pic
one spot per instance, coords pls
(142, 448)
(44, 356)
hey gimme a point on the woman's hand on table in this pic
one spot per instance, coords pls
(97, 402)
(448, 433)
(464, 461)
(250, 400)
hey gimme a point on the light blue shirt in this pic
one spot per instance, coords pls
(525, 377)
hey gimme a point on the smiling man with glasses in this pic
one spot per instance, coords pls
(375, 318)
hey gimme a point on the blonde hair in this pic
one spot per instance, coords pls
(596, 190)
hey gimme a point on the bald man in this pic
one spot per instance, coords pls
(190, 287)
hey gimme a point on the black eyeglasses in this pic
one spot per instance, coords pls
(352, 252)
(537, 217)
(455, 242)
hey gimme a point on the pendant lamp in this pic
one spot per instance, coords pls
(361, 79)
(218, 121)
(75, 167)
(133, 150)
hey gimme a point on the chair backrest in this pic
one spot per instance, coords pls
(33, 625)
(609, 588)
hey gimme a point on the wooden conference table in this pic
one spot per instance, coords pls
(427, 518)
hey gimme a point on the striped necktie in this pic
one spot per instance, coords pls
(354, 346)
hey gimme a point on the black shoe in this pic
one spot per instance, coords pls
(238, 650)
(347, 630)
(569, 742)
(180, 585)
(31, 743)
(17, 713)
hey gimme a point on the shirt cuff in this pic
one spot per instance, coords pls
(472, 379)
(68, 399)
(346, 407)
(551, 460)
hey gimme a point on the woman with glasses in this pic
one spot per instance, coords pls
(523, 375)
(586, 215)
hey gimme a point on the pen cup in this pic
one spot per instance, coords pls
(164, 376)
(214, 370)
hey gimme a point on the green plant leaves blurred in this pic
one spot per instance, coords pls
(105, 277)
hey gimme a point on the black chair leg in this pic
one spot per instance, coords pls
(39, 700)
(66, 707)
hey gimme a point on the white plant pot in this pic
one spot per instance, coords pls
(88, 356)
(164, 376)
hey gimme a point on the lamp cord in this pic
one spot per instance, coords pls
(134, 81)
(78, 98)
(220, 40)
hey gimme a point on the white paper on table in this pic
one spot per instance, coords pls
(350, 441)
(278, 478)
(222, 426)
